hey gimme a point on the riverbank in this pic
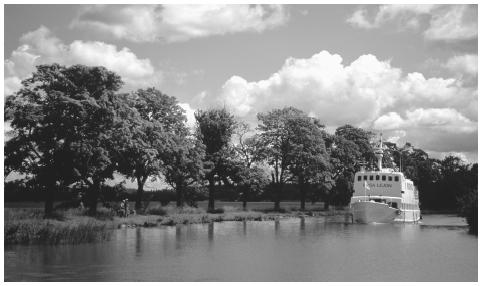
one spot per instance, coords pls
(27, 226)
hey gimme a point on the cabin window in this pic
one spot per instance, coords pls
(403, 192)
(359, 178)
(384, 178)
(377, 177)
(364, 178)
(389, 178)
(396, 178)
(371, 178)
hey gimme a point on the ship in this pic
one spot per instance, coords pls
(383, 195)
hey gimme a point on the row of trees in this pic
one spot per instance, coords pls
(71, 125)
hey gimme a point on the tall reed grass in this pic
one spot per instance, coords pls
(28, 226)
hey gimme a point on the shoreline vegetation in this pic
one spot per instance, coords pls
(25, 225)
(72, 226)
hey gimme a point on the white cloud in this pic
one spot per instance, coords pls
(366, 92)
(446, 22)
(359, 19)
(391, 120)
(406, 13)
(442, 119)
(42, 47)
(173, 23)
(463, 64)
(457, 23)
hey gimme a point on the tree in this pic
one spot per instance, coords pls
(275, 140)
(249, 178)
(249, 181)
(308, 158)
(248, 148)
(214, 129)
(347, 148)
(147, 134)
(62, 119)
(361, 138)
(183, 165)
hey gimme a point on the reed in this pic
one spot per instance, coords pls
(74, 226)
(50, 231)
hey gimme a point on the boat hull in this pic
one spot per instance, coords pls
(373, 212)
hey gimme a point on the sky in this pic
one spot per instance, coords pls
(409, 71)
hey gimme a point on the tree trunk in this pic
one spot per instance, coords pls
(245, 199)
(180, 197)
(302, 193)
(302, 198)
(327, 204)
(140, 191)
(277, 202)
(93, 195)
(49, 199)
(211, 195)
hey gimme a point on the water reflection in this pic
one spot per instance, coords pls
(301, 249)
(138, 241)
(178, 236)
(211, 232)
(277, 228)
(302, 226)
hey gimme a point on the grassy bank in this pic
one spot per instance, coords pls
(27, 225)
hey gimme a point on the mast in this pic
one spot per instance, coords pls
(379, 153)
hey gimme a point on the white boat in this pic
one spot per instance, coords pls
(383, 195)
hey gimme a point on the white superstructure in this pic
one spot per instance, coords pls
(384, 195)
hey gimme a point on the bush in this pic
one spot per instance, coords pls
(184, 210)
(156, 211)
(230, 209)
(469, 210)
(216, 211)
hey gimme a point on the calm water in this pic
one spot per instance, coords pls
(311, 249)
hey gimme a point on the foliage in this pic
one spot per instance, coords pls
(215, 128)
(183, 166)
(63, 118)
(276, 147)
(22, 226)
(469, 210)
(156, 211)
(309, 161)
(347, 148)
(146, 134)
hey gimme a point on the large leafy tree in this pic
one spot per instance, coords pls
(63, 118)
(183, 165)
(277, 147)
(250, 179)
(309, 161)
(215, 128)
(147, 135)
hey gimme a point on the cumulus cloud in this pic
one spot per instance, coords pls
(173, 23)
(42, 47)
(367, 92)
(457, 23)
(463, 64)
(441, 22)
(386, 13)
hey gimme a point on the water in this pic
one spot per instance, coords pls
(310, 249)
